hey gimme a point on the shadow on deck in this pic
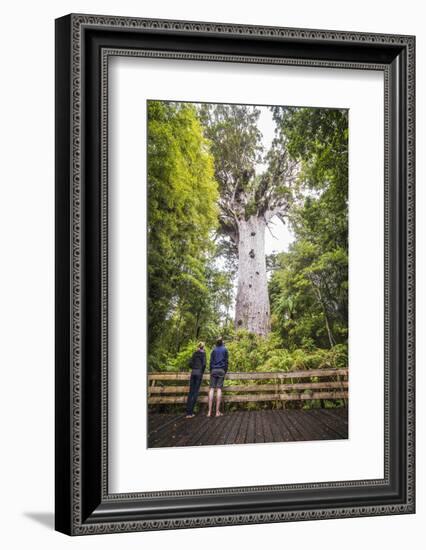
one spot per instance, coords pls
(171, 430)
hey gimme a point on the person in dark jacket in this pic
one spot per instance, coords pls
(218, 370)
(198, 366)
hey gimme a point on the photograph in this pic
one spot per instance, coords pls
(247, 262)
(234, 272)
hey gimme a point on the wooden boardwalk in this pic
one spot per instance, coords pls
(268, 426)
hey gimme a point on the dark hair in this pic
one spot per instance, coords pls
(219, 341)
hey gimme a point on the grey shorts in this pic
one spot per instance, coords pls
(217, 376)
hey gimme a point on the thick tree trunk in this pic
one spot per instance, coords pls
(252, 308)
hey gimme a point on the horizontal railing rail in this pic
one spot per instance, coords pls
(283, 386)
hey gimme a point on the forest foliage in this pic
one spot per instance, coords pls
(191, 257)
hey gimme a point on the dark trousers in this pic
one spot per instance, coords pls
(194, 388)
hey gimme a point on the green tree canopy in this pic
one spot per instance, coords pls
(182, 210)
(309, 287)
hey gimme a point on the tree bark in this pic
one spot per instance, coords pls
(252, 311)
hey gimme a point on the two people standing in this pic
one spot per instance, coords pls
(218, 369)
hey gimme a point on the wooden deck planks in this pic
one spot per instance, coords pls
(166, 430)
(258, 428)
(340, 412)
(266, 426)
(242, 432)
(315, 424)
(337, 423)
(275, 425)
(233, 431)
(288, 429)
(202, 434)
(251, 433)
(223, 426)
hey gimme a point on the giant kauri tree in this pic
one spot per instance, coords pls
(249, 200)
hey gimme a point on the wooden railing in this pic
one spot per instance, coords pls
(165, 388)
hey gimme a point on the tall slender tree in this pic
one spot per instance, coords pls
(248, 200)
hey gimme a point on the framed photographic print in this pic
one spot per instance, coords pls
(234, 274)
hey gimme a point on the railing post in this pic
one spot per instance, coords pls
(340, 379)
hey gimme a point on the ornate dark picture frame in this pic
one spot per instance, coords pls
(84, 44)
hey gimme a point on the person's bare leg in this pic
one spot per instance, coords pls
(218, 400)
(211, 394)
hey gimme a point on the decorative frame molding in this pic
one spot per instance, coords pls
(84, 43)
